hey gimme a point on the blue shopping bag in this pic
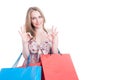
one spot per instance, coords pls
(27, 73)
(21, 73)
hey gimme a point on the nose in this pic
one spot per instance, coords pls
(37, 20)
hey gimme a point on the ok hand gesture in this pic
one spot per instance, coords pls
(53, 35)
(26, 36)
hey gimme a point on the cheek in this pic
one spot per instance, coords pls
(41, 21)
(33, 22)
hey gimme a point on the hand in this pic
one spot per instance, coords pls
(26, 36)
(53, 35)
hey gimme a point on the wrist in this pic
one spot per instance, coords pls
(25, 42)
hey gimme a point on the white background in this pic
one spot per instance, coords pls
(89, 30)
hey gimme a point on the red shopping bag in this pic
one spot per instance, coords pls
(58, 67)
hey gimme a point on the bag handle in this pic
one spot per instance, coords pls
(17, 61)
(28, 60)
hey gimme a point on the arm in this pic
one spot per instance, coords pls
(25, 50)
(26, 36)
(55, 45)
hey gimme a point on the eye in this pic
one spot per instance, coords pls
(33, 18)
(40, 16)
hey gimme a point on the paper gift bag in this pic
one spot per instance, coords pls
(27, 73)
(58, 67)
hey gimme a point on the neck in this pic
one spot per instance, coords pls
(39, 31)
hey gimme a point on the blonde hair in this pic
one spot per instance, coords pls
(28, 24)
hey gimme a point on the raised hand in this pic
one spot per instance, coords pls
(26, 36)
(53, 35)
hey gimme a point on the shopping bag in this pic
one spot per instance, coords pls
(21, 73)
(26, 73)
(58, 67)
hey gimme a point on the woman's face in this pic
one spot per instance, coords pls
(37, 19)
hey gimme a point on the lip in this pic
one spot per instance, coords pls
(37, 24)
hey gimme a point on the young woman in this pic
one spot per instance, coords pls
(36, 39)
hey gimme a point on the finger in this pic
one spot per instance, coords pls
(48, 36)
(23, 30)
(55, 29)
(52, 29)
(20, 33)
(29, 35)
(56, 33)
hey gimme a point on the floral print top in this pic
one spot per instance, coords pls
(35, 49)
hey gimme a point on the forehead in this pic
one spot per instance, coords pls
(35, 13)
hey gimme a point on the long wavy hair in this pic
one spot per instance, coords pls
(28, 23)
